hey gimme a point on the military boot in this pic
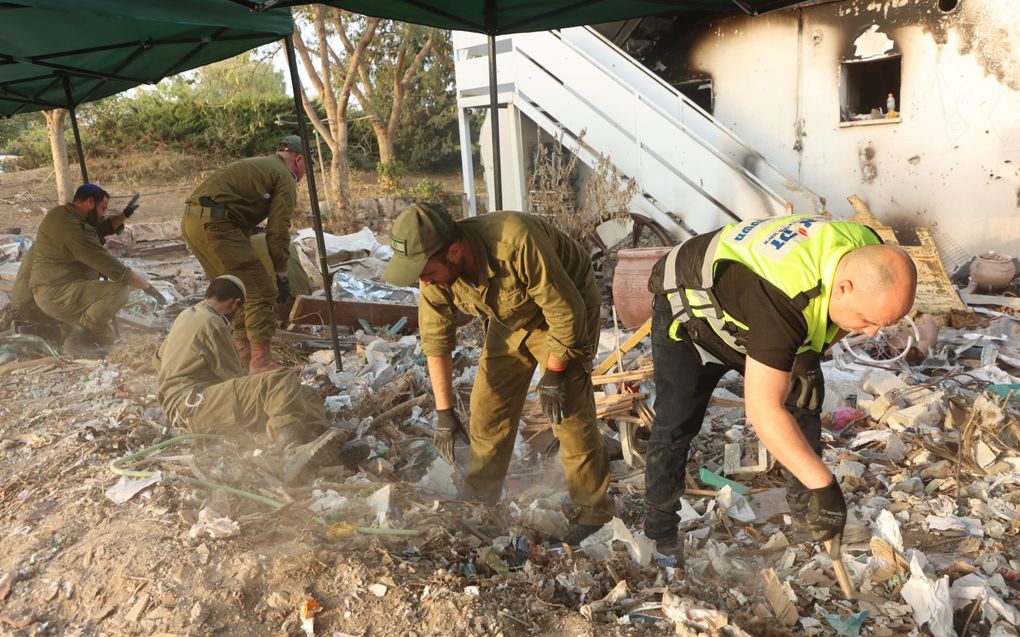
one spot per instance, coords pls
(81, 343)
(331, 448)
(262, 359)
(578, 532)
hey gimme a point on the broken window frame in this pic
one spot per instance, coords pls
(849, 91)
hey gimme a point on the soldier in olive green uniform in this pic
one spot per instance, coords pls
(218, 221)
(67, 261)
(536, 288)
(203, 386)
(25, 308)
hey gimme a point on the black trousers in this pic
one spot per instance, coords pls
(683, 387)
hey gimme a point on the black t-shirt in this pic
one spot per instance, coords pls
(776, 329)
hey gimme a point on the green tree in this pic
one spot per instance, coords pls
(397, 56)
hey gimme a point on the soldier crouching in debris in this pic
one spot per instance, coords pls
(536, 287)
(66, 262)
(33, 320)
(763, 297)
(204, 388)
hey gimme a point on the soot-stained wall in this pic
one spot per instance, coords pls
(951, 160)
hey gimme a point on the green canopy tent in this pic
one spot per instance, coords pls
(61, 53)
(500, 17)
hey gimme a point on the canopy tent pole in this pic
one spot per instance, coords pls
(74, 127)
(320, 243)
(497, 168)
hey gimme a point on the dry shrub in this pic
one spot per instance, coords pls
(160, 164)
(553, 191)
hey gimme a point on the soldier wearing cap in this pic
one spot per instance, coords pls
(203, 387)
(66, 262)
(536, 288)
(218, 221)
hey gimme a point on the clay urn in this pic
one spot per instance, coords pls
(991, 271)
(630, 284)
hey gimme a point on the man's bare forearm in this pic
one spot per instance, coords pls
(765, 390)
(441, 375)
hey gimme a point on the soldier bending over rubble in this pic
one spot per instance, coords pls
(536, 288)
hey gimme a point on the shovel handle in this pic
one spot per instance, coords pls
(842, 574)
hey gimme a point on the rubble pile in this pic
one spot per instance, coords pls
(205, 534)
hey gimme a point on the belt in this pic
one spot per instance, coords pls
(206, 208)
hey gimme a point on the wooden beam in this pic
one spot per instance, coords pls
(628, 345)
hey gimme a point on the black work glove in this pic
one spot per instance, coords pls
(808, 388)
(131, 207)
(552, 394)
(282, 290)
(154, 293)
(447, 426)
(826, 512)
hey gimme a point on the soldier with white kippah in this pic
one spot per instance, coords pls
(204, 387)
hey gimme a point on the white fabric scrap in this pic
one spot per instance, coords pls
(127, 488)
(735, 505)
(930, 600)
(972, 586)
(212, 524)
(889, 530)
(598, 544)
(969, 526)
(380, 503)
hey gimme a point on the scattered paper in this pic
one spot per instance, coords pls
(127, 488)
(889, 530)
(929, 600)
(735, 505)
(213, 525)
(971, 587)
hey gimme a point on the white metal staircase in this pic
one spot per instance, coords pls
(693, 173)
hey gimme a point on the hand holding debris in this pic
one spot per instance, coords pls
(551, 394)
(808, 387)
(154, 293)
(826, 516)
(447, 426)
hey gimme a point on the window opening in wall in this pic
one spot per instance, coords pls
(948, 6)
(698, 91)
(866, 86)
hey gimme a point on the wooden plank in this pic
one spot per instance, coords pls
(311, 310)
(991, 299)
(628, 345)
(640, 373)
(936, 294)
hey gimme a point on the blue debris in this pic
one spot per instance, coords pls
(849, 627)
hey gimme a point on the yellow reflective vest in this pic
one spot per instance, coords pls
(798, 254)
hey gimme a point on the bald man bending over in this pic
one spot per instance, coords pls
(763, 297)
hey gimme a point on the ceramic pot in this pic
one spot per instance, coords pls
(992, 272)
(630, 284)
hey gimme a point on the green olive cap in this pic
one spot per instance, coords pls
(292, 144)
(419, 232)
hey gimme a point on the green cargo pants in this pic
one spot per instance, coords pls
(25, 307)
(505, 370)
(271, 400)
(90, 304)
(223, 247)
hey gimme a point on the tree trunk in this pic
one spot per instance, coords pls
(58, 148)
(385, 140)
